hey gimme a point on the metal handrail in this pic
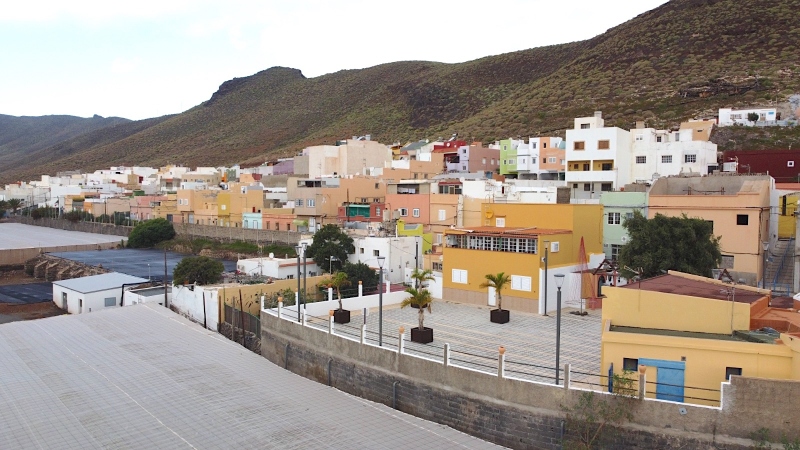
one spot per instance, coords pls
(780, 266)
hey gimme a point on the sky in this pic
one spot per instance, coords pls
(154, 57)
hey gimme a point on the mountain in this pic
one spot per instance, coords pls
(682, 59)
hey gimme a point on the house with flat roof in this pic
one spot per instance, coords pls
(689, 334)
(93, 293)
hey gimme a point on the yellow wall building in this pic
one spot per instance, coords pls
(690, 334)
(511, 240)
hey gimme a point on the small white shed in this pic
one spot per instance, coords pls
(87, 294)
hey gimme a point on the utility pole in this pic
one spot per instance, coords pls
(166, 305)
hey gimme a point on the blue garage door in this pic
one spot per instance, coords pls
(669, 379)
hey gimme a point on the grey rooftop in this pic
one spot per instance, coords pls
(144, 377)
(96, 283)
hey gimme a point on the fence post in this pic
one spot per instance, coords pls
(360, 289)
(566, 376)
(330, 294)
(446, 354)
(280, 307)
(263, 302)
(400, 341)
(304, 315)
(363, 333)
(642, 384)
(388, 286)
(501, 362)
(330, 322)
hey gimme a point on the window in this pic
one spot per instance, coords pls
(544, 144)
(64, 301)
(415, 212)
(459, 276)
(690, 158)
(603, 145)
(639, 137)
(298, 203)
(520, 283)
(404, 212)
(110, 301)
(311, 203)
(742, 219)
(578, 145)
(376, 253)
(658, 138)
(737, 371)
(442, 214)
(500, 222)
(574, 185)
(615, 251)
(789, 163)
(533, 160)
(437, 266)
(438, 240)
(586, 167)
(289, 277)
(606, 187)
(726, 262)
(641, 160)
(377, 212)
(666, 159)
(613, 218)
(587, 187)
(492, 161)
(575, 167)
(552, 159)
(223, 207)
(607, 166)
(628, 215)
(584, 126)
(483, 161)
(631, 364)
(362, 250)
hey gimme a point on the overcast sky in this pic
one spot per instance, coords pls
(153, 57)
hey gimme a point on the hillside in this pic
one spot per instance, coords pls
(685, 58)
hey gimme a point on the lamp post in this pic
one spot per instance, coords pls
(765, 246)
(381, 260)
(546, 246)
(559, 282)
(305, 271)
(330, 263)
(298, 249)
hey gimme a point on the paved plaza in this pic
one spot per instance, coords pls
(529, 339)
(144, 377)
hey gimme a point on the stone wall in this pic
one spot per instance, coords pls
(515, 413)
(86, 227)
(189, 231)
(52, 268)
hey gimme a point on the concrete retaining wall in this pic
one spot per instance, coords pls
(516, 413)
(188, 231)
(16, 256)
(86, 227)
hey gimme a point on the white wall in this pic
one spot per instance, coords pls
(352, 304)
(570, 291)
(91, 302)
(433, 286)
(399, 252)
(189, 303)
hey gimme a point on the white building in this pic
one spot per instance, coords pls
(597, 157)
(660, 153)
(277, 268)
(93, 293)
(728, 116)
(147, 295)
(401, 252)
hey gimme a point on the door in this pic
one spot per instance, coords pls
(669, 378)
(492, 297)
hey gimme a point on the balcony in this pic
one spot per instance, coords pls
(598, 176)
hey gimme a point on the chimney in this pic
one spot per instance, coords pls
(598, 114)
(639, 124)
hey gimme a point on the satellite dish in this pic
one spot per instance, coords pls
(656, 176)
(489, 214)
(624, 239)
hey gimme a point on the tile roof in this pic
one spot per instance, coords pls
(675, 284)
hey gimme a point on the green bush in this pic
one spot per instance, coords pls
(198, 269)
(149, 233)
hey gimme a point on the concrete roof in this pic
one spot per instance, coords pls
(710, 185)
(102, 282)
(17, 235)
(143, 377)
(674, 284)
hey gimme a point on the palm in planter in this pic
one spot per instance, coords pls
(420, 277)
(498, 282)
(420, 299)
(337, 282)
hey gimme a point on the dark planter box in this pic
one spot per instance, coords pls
(423, 336)
(417, 306)
(499, 315)
(341, 316)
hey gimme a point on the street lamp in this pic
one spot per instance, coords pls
(546, 246)
(298, 249)
(765, 246)
(381, 260)
(305, 271)
(330, 263)
(559, 282)
(148, 272)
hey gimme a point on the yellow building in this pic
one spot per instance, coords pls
(738, 208)
(690, 334)
(511, 240)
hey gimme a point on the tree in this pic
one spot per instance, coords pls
(669, 243)
(753, 117)
(421, 276)
(337, 282)
(150, 232)
(498, 282)
(422, 299)
(361, 272)
(330, 241)
(15, 204)
(3, 208)
(198, 270)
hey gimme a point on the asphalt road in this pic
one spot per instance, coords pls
(144, 263)
(26, 293)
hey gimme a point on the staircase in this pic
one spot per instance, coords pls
(780, 267)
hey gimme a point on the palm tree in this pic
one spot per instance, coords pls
(337, 281)
(421, 299)
(15, 204)
(421, 276)
(498, 282)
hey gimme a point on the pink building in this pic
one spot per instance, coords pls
(471, 159)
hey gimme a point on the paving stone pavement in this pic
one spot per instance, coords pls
(529, 339)
(142, 377)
